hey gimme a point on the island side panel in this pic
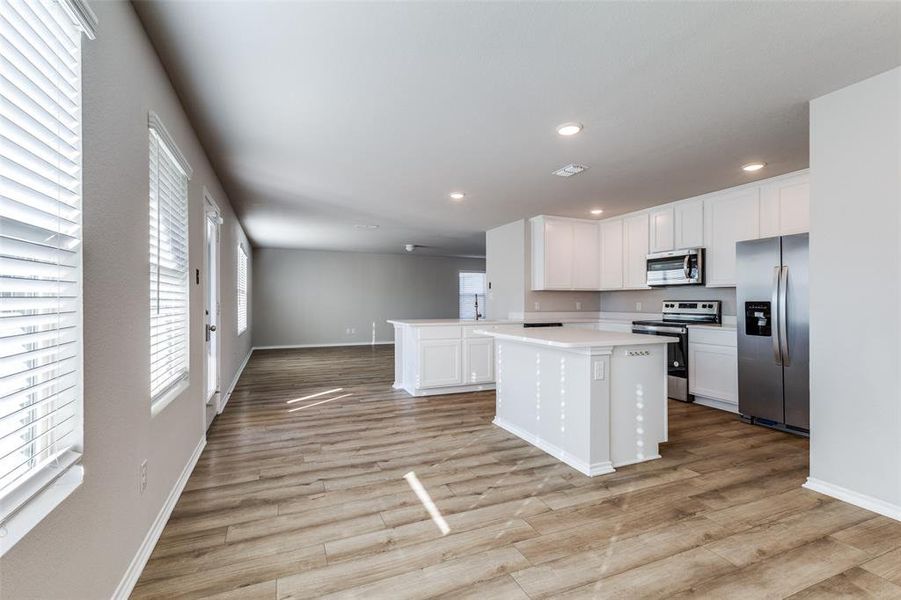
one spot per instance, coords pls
(543, 397)
(597, 383)
(399, 356)
(638, 403)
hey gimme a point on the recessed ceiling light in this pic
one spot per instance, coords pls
(754, 166)
(569, 128)
(596, 211)
(365, 226)
(457, 195)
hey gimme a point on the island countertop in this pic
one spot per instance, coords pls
(564, 337)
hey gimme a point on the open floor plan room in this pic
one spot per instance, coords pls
(401, 299)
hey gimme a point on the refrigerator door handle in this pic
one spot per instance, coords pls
(777, 353)
(783, 316)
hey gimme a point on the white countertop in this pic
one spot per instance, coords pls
(563, 337)
(723, 327)
(452, 322)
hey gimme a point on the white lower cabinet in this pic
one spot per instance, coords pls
(713, 368)
(440, 363)
(478, 360)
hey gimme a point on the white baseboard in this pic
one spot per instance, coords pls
(290, 346)
(231, 387)
(599, 468)
(887, 509)
(718, 404)
(441, 391)
(127, 584)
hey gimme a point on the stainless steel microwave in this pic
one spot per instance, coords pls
(678, 267)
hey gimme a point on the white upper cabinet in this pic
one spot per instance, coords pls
(564, 254)
(662, 229)
(635, 249)
(689, 225)
(785, 206)
(611, 254)
(729, 217)
(586, 255)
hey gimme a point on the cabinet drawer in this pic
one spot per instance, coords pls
(469, 331)
(442, 332)
(717, 337)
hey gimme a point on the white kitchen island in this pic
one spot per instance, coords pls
(595, 400)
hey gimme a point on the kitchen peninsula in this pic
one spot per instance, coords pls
(595, 400)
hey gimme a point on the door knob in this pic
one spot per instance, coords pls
(212, 328)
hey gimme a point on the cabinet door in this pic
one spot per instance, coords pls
(612, 254)
(662, 229)
(713, 372)
(635, 248)
(558, 255)
(689, 225)
(440, 363)
(586, 256)
(785, 207)
(478, 360)
(730, 218)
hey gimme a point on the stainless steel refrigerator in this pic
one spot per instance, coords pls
(773, 324)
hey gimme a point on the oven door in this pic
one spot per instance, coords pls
(676, 358)
(683, 267)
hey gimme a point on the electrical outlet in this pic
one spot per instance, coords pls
(350, 330)
(578, 306)
(142, 474)
(537, 306)
(638, 307)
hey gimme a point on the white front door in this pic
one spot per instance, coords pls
(211, 309)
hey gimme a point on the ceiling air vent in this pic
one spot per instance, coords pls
(569, 170)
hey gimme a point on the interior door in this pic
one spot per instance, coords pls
(795, 351)
(758, 266)
(211, 309)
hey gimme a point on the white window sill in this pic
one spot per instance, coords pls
(166, 399)
(42, 493)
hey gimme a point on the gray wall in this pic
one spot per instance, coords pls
(855, 324)
(651, 299)
(307, 297)
(84, 547)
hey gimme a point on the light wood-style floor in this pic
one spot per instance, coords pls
(314, 503)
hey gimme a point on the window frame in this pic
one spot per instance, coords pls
(484, 294)
(243, 261)
(166, 145)
(44, 488)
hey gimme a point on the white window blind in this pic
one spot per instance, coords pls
(472, 290)
(40, 248)
(168, 264)
(242, 289)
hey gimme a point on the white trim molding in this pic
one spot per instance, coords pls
(887, 509)
(339, 344)
(593, 469)
(231, 387)
(127, 584)
(83, 16)
(156, 124)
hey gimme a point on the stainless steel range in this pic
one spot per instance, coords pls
(677, 316)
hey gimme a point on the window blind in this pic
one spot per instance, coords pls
(242, 289)
(472, 288)
(40, 243)
(168, 265)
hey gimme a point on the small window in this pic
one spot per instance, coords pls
(242, 289)
(169, 296)
(472, 295)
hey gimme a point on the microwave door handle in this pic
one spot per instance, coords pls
(783, 317)
(686, 269)
(777, 353)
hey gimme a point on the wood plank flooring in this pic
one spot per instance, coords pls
(308, 499)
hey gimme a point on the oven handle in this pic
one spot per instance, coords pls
(655, 329)
(686, 270)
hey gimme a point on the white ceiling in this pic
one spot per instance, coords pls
(320, 116)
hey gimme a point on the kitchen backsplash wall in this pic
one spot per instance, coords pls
(651, 300)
